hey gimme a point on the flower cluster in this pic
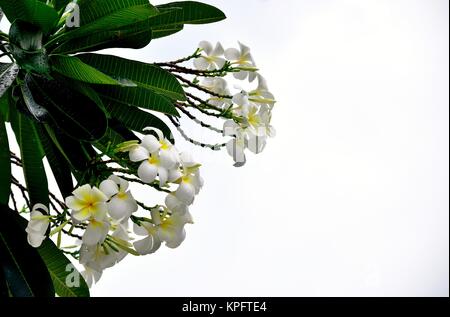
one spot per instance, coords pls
(250, 110)
(105, 212)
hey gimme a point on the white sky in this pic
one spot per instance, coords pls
(351, 197)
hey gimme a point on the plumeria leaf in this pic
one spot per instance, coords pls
(67, 281)
(61, 4)
(139, 97)
(24, 270)
(33, 11)
(114, 21)
(36, 110)
(135, 36)
(74, 68)
(8, 73)
(71, 111)
(58, 163)
(5, 165)
(144, 75)
(95, 9)
(137, 120)
(187, 12)
(72, 150)
(33, 167)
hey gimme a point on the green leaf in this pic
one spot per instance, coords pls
(114, 21)
(72, 150)
(4, 106)
(74, 68)
(61, 270)
(72, 112)
(32, 11)
(139, 97)
(5, 165)
(135, 36)
(33, 167)
(36, 110)
(61, 4)
(136, 119)
(23, 268)
(147, 76)
(8, 73)
(58, 163)
(92, 10)
(187, 12)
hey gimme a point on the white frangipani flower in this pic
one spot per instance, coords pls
(244, 59)
(171, 228)
(218, 86)
(190, 182)
(261, 94)
(97, 257)
(87, 203)
(121, 203)
(158, 156)
(212, 59)
(151, 243)
(38, 225)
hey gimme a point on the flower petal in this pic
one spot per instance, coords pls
(232, 54)
(138, 154)
(95, 232)
(83, 193)
(35, 239)
(109, 188)
(201, 63)
(185, 193)
(147, 172)
(206, 46)
(148, 245)
(120, 208)
(163, 175)
(151, 143)
(218, 50)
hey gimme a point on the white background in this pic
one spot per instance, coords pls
(351, 197)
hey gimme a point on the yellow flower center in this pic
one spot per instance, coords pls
(153, 160)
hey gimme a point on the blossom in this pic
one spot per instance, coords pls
(158, 156)
(262, 94)
(151, 243)
(38, 225)
(212, 59)
(190, 182)
(165, 227)
(87, 203)
(217, 86)
(121, 203)
(244, 59)
(97, 257)
(171, 227)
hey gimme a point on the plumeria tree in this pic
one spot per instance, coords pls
(102, 122)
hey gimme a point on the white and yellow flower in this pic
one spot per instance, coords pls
(242, 58)
(38, 225)
(121, 203)
(87, 203)
(212, 59)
